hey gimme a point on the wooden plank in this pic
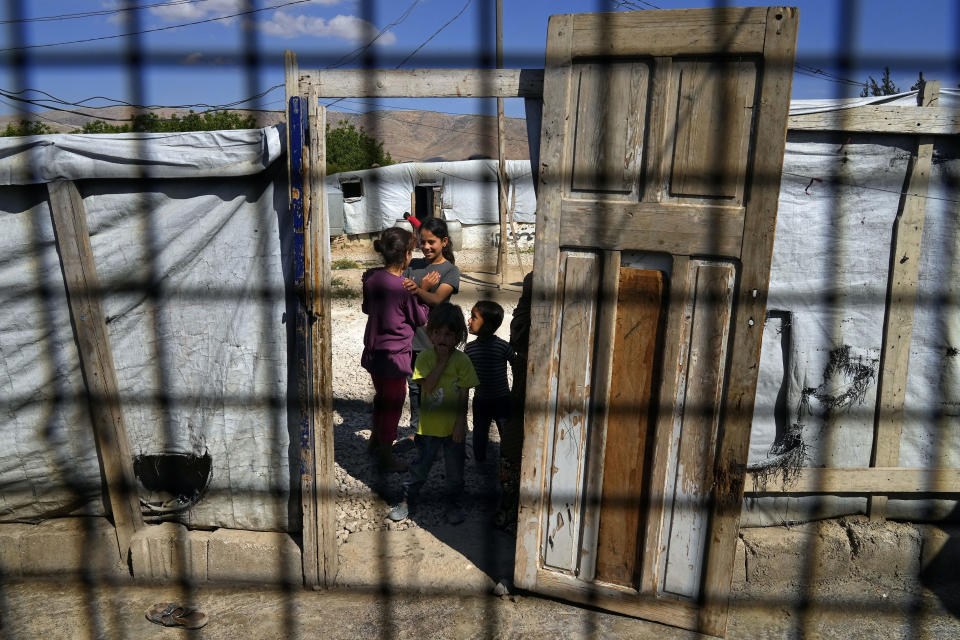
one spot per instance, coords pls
(318, 289)
(930, 121)
(503, 187)
(649, 226)
(544, 308)
(561, 539)
(302, 347)
(670, 33)
(96, 358)
(929, 93)
(759, 224)
(676, 342)
(905, 254)
(713, 128)
(291, 76)
(622, 600)
(661, 124)
(858, 480)
(427, 83)
(639, 307)
(607, 142)
(690, 471)
(600, 410)
(528, 83)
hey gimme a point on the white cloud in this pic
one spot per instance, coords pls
(213, 8)
(351, 28)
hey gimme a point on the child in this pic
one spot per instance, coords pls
(393, 315)
(434, 278)
(445, 375)
(489, 355)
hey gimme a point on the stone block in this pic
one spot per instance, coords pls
(10, 535)
(70, 545)
(883, 550)
(169, 552)
(815, 551)
(253, 557)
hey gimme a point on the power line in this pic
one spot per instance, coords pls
(356, 52)
(167, 28)
(101, 12)
(435, 33)
(45, 103)
(420, 46)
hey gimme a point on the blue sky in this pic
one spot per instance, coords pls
(203, 63)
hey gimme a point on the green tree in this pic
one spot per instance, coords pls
(26, 128)
(351, 149)
(99, 126)
(886, 87)
(151, 122)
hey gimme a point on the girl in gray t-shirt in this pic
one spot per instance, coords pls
(434, 279)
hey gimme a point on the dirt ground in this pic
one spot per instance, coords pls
(424, 579)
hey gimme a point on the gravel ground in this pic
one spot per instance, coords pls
(364, 494)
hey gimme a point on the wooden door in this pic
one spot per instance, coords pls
(661, 149)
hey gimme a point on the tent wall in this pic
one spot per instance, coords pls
(195, 275)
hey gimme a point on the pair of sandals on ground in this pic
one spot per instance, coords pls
(172, 614)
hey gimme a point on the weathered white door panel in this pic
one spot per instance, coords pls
(662, 136)
(579, 274)
(694, 433)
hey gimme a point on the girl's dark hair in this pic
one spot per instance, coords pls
(448, 316)
(438, 227)
(492, 314)
(393, 244)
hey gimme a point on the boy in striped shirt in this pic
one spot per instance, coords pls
(489, 355)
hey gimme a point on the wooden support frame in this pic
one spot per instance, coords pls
(313, 349)
(96, 358)
(905, 253)
(312, 259)
(859, 480)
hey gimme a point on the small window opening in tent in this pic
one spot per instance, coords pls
(352, 189)
(426, 201)
(171, 483)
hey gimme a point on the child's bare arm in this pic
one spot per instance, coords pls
(430, 382)
(460, 427)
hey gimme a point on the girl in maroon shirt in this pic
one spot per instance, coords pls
(393, 314)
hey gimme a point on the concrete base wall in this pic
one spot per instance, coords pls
(845, 549)
(169, 552)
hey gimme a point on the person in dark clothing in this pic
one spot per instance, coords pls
(490, 355)
(511, 441)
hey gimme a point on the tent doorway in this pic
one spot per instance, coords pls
(426, 202)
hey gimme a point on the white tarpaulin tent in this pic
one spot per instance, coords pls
(469, 192)
(191, 239)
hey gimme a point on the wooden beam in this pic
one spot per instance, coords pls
(931, 121)
(318, 292)
(905, 254)
(651, 226)
(734, 30)
(291, 77)
(747, 333)
(528, 83)
(96, 358)
(545, 308)
(859, 480)
(501, 160)
(427, 83)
